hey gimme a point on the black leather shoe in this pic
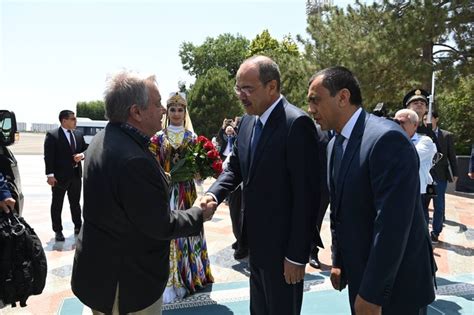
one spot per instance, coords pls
(59, 237)
(76, 231)
(434, 238)
(241, 253)
(314, 262)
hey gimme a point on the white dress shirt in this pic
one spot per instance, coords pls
(426, 150)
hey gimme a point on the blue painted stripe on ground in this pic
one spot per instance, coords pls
(323, 302)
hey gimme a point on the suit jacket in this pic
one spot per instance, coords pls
(127, 224)
(280, 185)
(58, 154)
(441, 170)
(380, 238)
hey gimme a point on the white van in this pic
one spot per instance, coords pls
(89, 127)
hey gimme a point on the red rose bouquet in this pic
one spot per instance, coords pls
(200, 159)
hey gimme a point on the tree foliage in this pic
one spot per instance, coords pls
(211, 99)
(226, 51)
(456, 108)
(94, 110)
(389, 45)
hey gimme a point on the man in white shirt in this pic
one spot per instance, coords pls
(425, 148)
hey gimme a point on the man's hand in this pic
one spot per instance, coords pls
(336, 277)
(7, 204)
(362, 307)
(52, 181)
(293, 273)
(78, 157)
(208, 206)
(471, 175)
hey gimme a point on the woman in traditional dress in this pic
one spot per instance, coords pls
(189, 262)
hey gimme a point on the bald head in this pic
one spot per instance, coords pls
(267, 69)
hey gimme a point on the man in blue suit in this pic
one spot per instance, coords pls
(380, 242)
(276, 159)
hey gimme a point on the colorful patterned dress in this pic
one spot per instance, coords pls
(189, 263)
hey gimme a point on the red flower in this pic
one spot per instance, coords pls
(202, 139)
(217, 166)
(208, 146)
(213, 154)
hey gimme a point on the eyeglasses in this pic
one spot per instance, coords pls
(247, 90)
(174, 110)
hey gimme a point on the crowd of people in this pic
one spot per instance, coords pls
(142, 244)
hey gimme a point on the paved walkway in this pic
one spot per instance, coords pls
(229, 295)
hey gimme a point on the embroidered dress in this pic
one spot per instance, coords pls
(189, 263)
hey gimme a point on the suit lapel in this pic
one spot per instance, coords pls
(243, 144)
(352, 147)
(441, 140)
(267, 132)
(64, 140)
(329, 163)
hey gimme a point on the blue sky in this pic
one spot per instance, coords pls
(56, 53)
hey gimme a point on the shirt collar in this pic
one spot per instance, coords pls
(143, 138)
(269, 110)
(415, 137)
(66, 131)
(349, 126)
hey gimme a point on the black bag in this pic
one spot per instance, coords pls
(23, 266)
(431, 190)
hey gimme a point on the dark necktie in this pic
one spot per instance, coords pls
(330, 134)
(72, 143)
(256, 135)
(338, 152)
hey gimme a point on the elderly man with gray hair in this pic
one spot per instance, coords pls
(425, 147)
(121, 263)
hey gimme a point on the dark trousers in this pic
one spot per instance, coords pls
(404, 311)
(391, 309)
(439, 205)
(73, 189)
(237, 217)
(425, 202)
(270, 294)
(323, 205)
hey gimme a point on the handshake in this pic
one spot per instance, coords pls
(208, 206)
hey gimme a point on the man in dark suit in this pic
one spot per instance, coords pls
(63, 152)
(276, 158)
(121, 263)
(380, 242)
(444, 170)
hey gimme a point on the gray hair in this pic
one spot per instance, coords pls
(268, 69)
(411, 114)
(123, 90)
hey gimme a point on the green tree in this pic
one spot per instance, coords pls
(94, 110)
(456, 111)
(389, 45)
(226, 51)
(211, 99)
